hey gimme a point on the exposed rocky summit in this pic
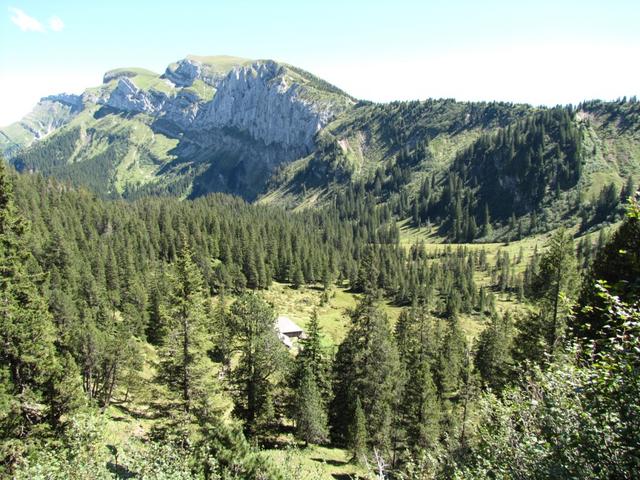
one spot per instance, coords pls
(260, 99)
(69, 99)
(127, 97)
(184, 72)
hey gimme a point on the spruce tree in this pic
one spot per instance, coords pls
(313, 356)
(310, 411)
(554, 289)
(493, 352)
(297, 277)
(450, 360)
(419, 406)
(33, 388)
(262, 357)
(366, 367)
(185, 366)
(357, 439)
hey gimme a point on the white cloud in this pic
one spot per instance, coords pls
(24, 21)
(56, 24)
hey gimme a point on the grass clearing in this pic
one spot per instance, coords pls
(333, 316)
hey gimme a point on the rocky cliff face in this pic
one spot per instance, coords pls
(52, 113)
(184, 72)
(127, 97)
(261, 101)
(49, 114)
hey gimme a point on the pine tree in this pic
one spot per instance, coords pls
(311, 365)
(297, 277)
(31, 387)
(554, 290)
(493, 352)
(313, 356)
(555, 287)
(262, 356)
(419, 406)
(155, 331)
(450, 359)
(366, 367)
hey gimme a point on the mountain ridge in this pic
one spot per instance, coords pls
(274, 133)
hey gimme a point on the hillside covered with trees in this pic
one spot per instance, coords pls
(475, 171)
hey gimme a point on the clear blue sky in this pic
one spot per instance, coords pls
(541, 51)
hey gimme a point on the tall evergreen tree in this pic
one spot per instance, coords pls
(310, 411)
(493, 359)
(32, 390)
(262, 357)
(366, 367)
(554, 290)
(617, 264)
(357, 438)
(419, 405)
(312, 355)
(450, 360)
(185, 366)
(312, 385)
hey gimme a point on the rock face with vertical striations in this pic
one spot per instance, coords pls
(49, 114)
(263, 101)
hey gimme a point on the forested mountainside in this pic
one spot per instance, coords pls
(475, 171)
(155, 230)
(137, 343)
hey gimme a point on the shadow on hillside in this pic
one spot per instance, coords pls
(138, 415)
(333, 463)
(120, 471)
